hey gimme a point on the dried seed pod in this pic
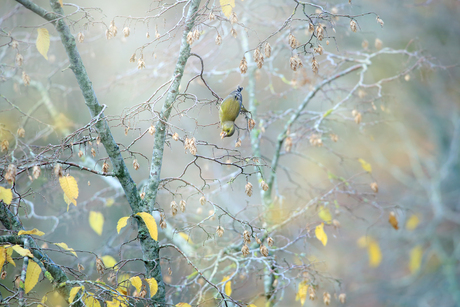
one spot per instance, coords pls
(220, 231)
(152, 129)
(251, 124)
(258, 240)
(407, 77)
(260, 62)
(5, 145)
(105, 167)
(80, 153)
(288, 144)
(81, 268)
(238, 143)
(126, 31)
(245, 250)
(358, 118)
(326, 298)
(375, 187)
(319, 49)
(93, 152)
(233, 33)
(218, 39)
(311, 28)
(270, 241)
(80, 37)
(233, 18)
(100, 267)
(212, 16)
(267, 50)
(182, 205)
(246, 237)
(19, 59)
(378, 44)
(10, 175)
(147, 35)
(175, 136)
(295, 62)
(3, 275)
(202, 200)
(243, 65)
(142, 195)
(342, 298)
(336, 223)
(365, 44)
(57, 170)
(113, 28)
(257, 55)
(320, 32)
(36, 171)
(14, 44)
(196, 34)
(136, 164)
(264, 250)
(380, 21)
(353, 25)
(163, 224)
(173, 208)
(141, 63)
(264, 185)
(132, 59)
(312, 295)
(248, 189)
(21, 132)
(393, 220)
(292, 41)
(315, 140)
(25, 78)
(314, 65)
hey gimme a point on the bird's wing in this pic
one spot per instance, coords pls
(229, 109)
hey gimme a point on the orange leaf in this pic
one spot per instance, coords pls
(393, 221)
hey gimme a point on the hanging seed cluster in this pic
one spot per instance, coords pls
(190, 144)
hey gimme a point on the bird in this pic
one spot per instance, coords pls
(230, 108)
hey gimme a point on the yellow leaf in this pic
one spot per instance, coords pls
(113, 303)
(362, 242)
(2, 256)
(70, 187)
(375, 256)
(22, 251)
(185, 237)
(302, 292)
(43, 42)
(416, 255)
(123, 281)
(320, 234)
(393, 221)
(109, 261)
(227, 7)
(72, 294)
(183, 305)
(96, 221)
(228, 285)
(412, 222)
(6, 195)
(32, 275)
(252, 305)
(60, 2)
(153, 286)
(325, 214)
(91, 302)
(150, 223)
(109, 202)
(122, 223)
(365, 165)
(137, 283)
(43, 301)
(34, 231)
(9, 252)
(64, 246)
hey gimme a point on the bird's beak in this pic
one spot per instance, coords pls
(223, 134)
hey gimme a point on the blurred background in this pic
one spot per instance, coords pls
(410, 136)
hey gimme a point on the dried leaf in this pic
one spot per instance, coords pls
(96, 221)
(32, 275)
(153, 286)
(122, 223)
(320, 234)
(64, 246)
(22, 251)
(365, 165)
(34, 231)
(6, 195)
(412, 222)
(43, 42)
(137, 283)
(416, 255)
(227, 7)
(393, 221)
(228, 285)
(150, 223)
(70, 187)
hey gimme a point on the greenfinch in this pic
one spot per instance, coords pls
(230, 108)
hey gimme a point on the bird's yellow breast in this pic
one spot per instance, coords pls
(229, 109)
